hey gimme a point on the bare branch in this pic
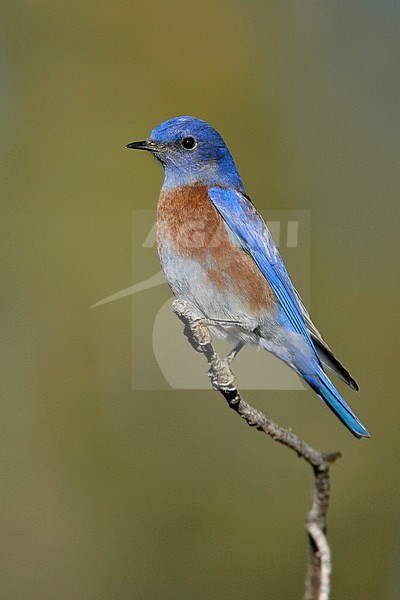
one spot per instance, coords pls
(223, 380)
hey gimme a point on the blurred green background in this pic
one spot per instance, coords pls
(107, 492)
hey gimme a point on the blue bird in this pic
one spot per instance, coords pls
(218, 256)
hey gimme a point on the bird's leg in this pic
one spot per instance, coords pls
(222, 323)
(217, 322)
(235, 351)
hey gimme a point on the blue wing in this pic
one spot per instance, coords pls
(251, 233)
(248, 230)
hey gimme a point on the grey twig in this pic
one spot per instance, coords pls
(223, 380)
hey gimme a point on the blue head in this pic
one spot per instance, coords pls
(191, 152)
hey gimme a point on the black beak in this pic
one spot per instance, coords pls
(140, 145)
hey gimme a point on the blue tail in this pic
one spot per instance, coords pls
(329, 394)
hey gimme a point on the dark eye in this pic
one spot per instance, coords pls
(189, 143)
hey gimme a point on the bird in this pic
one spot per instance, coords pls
(218, 256)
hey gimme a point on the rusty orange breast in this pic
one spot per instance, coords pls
(187, 220)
